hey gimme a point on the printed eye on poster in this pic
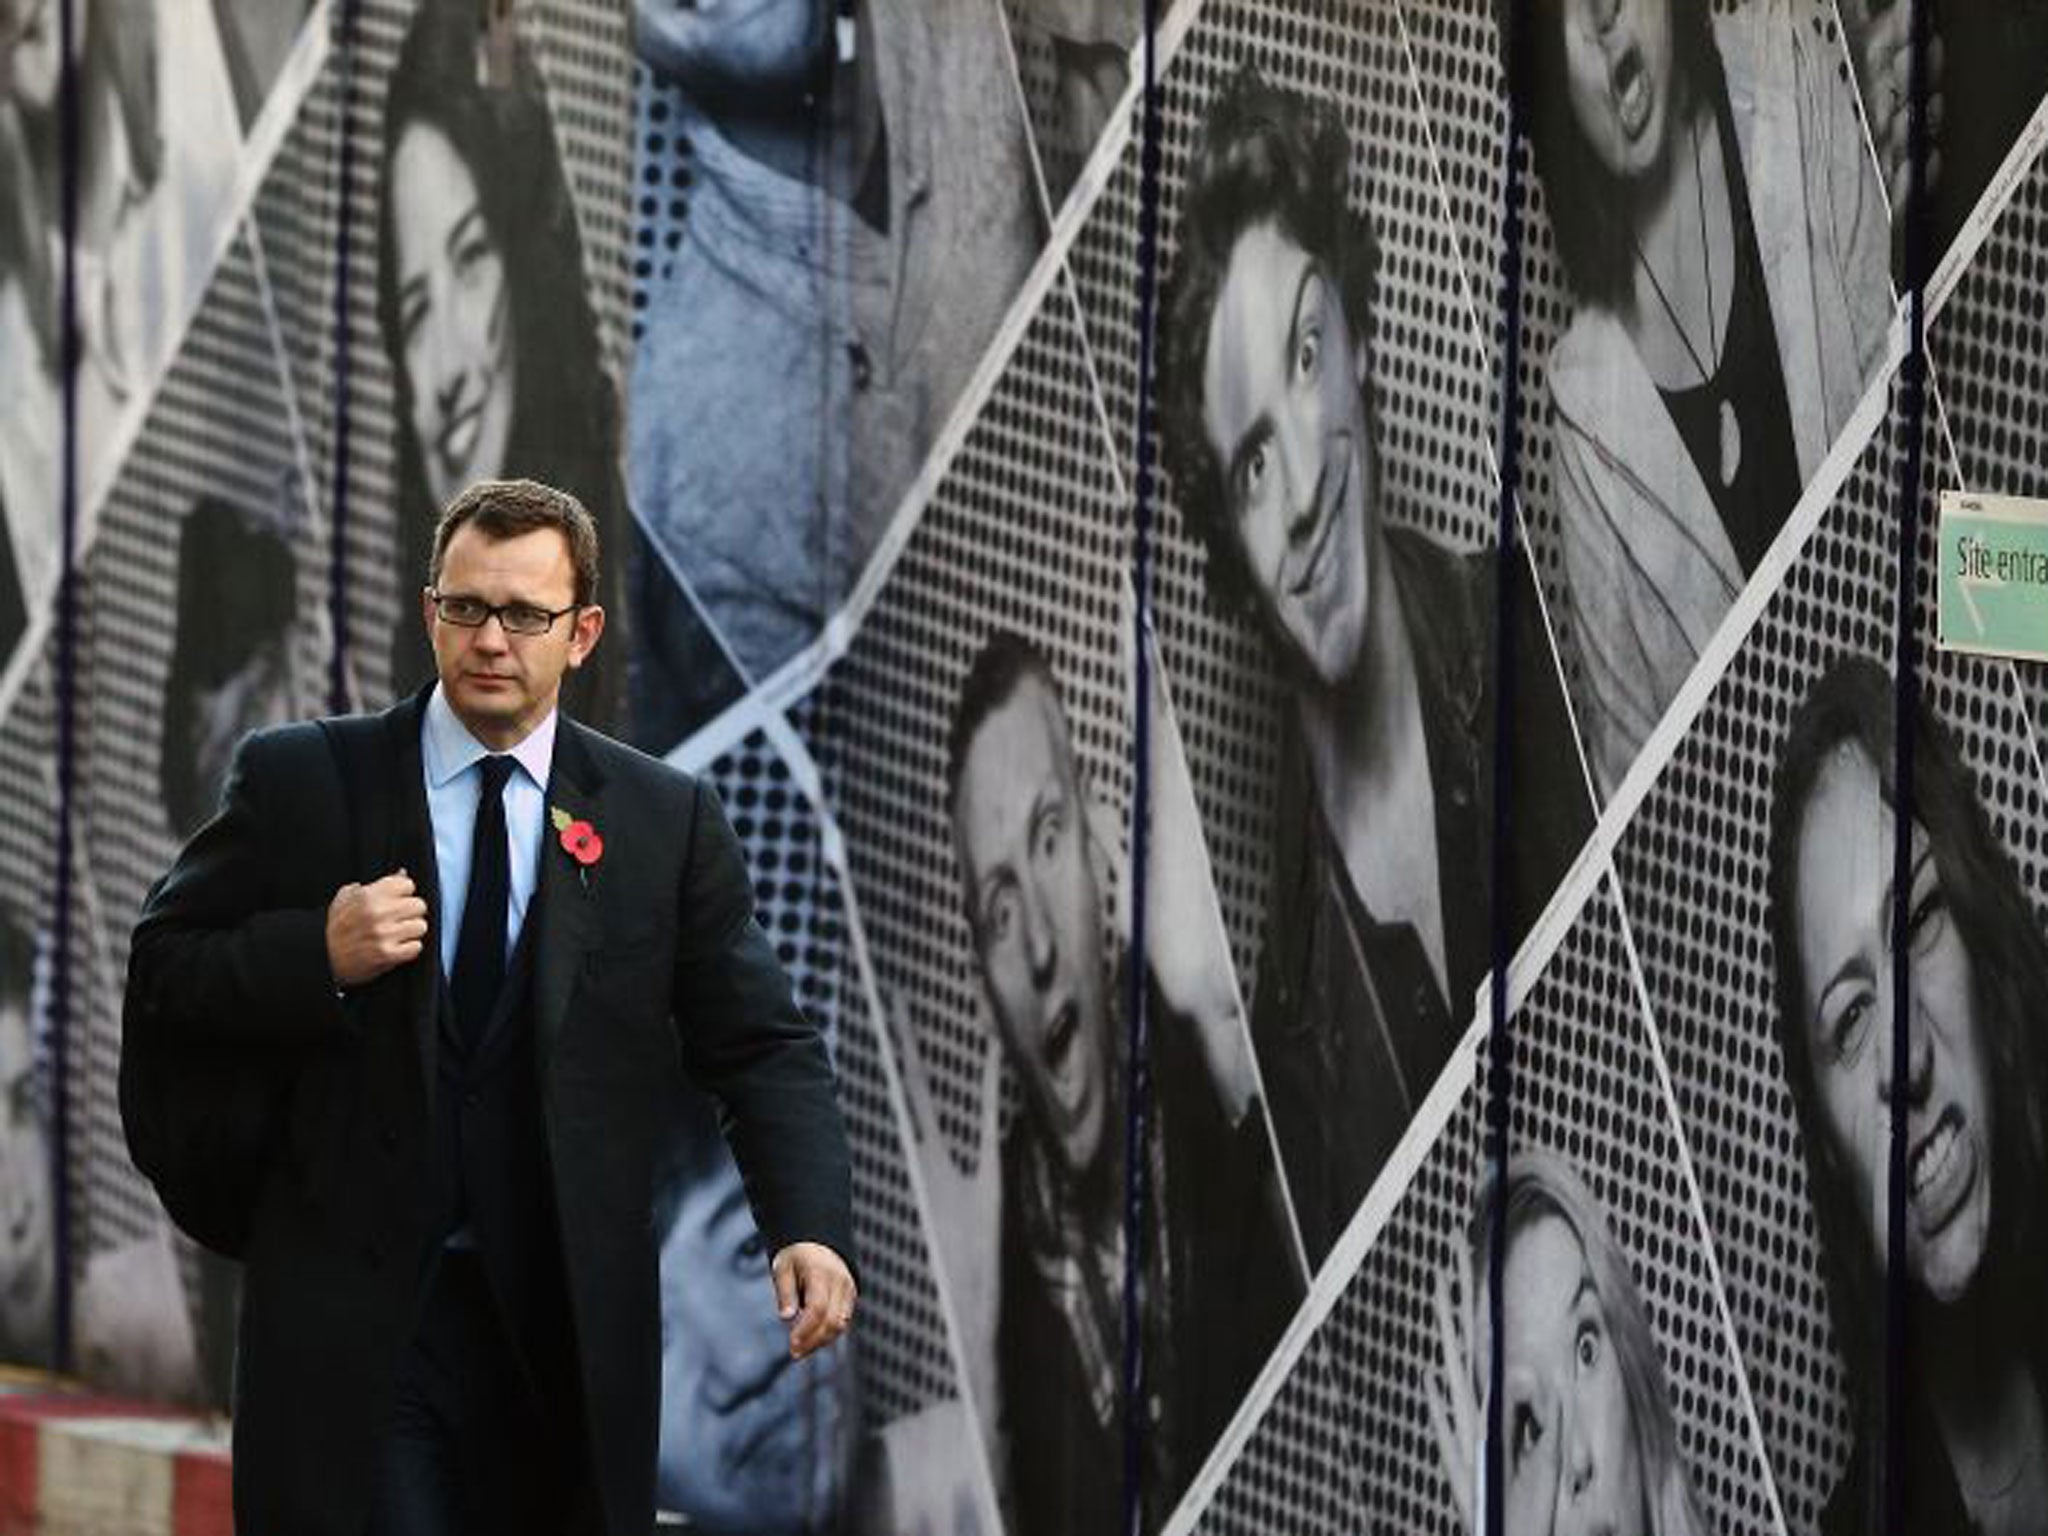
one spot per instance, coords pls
(1994, 575)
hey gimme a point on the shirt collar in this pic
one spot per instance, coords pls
(449, 749)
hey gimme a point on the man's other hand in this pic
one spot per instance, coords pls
(814, 1294)
(372, 928)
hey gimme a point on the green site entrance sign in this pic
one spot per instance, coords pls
(1994, 575)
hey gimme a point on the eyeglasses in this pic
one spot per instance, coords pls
(517, 618)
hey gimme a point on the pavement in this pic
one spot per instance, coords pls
(78, 1463)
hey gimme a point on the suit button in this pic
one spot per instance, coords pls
(471, 1099)
(388, 1139)
(373, 1254)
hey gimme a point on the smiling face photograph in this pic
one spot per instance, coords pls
(1380, 634)
(484, 309)
(1975, 1102)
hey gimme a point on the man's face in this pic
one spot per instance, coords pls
(744, 1422)
(454, 315)
(502, 685)
(27, 1274)
(1035, 906)
(1844, 896)
(1283, 408)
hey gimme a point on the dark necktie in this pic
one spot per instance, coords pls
(480, 948)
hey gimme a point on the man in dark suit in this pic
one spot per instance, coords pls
(467, 939)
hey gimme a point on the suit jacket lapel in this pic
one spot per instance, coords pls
(568, 891)
(416, 853)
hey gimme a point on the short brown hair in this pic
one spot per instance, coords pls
(505, 509)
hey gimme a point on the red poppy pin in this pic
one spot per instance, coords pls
(579, 840)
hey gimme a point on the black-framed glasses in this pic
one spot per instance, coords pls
(516, 618)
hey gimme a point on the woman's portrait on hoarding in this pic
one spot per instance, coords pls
(481, 301)
(1974, 1107)
(1717, 214)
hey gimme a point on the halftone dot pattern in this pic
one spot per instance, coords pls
(1981, 701)
(370, 534)
(1989, 347)
(583, 51)
(28, 758)
(1433, 426)
(28, 832)
(1300, 1472)
(293, 224)
(218, 427)
(1025, 531)
(1585, 1087)
(661, 184)
(1458, 70)
(905, 1360)
(1052, 136)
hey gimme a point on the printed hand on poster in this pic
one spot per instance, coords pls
(1456, 1419)
(134, 1334)
(964, 1206)
(923, 1484)
(1186, 945)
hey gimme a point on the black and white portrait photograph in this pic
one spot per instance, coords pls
(1624, 1405)
(1375, 630)
(1220, 1268)
(862, 210)
(880, 1439)
(1975, 1111)
(1711, 210)
(1590, 1441)
(153, 180)
(486, 318)
(1763, 890)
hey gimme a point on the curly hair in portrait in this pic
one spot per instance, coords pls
(1264, 155)
(565, 419)
(1540, 1185)
(1586, 204)
(1854, 706)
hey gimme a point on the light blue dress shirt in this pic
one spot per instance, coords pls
(449, 756)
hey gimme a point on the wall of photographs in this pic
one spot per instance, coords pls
(832, 314)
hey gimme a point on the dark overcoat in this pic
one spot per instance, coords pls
(649, 952)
